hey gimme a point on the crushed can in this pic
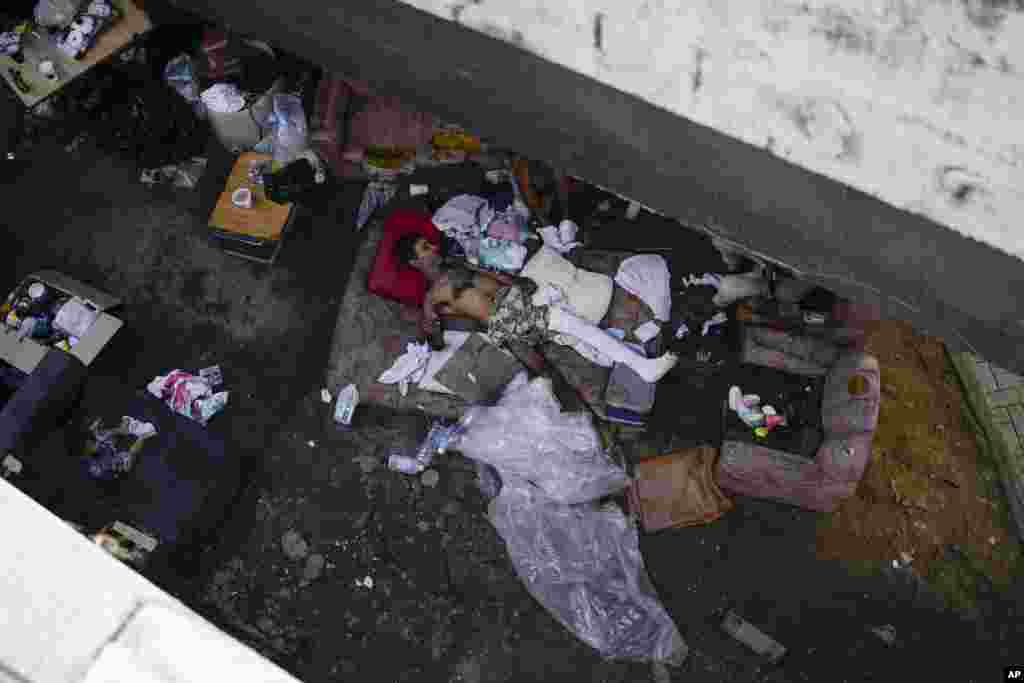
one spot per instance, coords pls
(406, 464)
(753, 637)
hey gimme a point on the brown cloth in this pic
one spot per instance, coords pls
(678, 489)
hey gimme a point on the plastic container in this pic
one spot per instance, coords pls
(398, 461)
(345, 405)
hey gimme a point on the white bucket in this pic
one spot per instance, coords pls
(240, 131)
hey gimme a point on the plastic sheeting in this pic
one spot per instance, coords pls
(526, 436)
(583, 563)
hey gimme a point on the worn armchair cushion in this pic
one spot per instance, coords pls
(849, 409)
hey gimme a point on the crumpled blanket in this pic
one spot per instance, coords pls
(408, 368)
(188, 395)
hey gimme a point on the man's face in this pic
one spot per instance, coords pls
(427, 255)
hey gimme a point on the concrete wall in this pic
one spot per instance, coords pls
(917, 102)
(70, 612)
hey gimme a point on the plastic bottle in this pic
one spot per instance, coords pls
(345, 406)
(398, 461)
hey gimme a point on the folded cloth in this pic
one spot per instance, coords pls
(75, 318)
(646, 276)
(411, 366)
(223, 98)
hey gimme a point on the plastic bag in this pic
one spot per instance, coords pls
(583, 564)
(527, 436)
(56, 13)
(291, 136)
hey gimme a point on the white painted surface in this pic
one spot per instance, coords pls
(62, 598)
(917, 102)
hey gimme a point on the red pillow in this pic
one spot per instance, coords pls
(391, 279)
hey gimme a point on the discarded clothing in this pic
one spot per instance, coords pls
(583, 564)
(646, 277)
(411, 366)
(223, 98)
(188, 395)
(111, 453)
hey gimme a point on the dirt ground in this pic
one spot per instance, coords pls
(930, 496)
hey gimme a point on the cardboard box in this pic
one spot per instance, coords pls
(25, 354)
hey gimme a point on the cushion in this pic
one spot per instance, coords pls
(391, 279)
(678, 490)
(588, 293)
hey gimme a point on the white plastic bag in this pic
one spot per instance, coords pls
(526, 436)
(583, 564)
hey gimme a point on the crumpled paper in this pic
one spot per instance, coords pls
(188, 395)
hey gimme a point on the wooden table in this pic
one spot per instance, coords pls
(256, 233)
(132, 23)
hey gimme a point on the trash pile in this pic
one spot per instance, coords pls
(190, 395)
(43, 313)
(111, 452)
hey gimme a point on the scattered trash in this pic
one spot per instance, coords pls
(188, 395)
(715, 321)
(430, 478)
(325, 396)
(632, 211)
(112, 452)
(314, 567)
(583, 564)
(75, 317)
(906, 558)
(708, 279)
(416, 190)
(887, 633)
(212, 375)
(436, 442)
(180, 75)
(311, 443)
(242, 198)
(185, 174)
(682, 331)
(345, 406)
(751, 636)
(223, 98)
(527, 436)
(398, 461)
(365, 582)
(293, 545)
(408, 368)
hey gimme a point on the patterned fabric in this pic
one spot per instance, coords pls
(515, 318)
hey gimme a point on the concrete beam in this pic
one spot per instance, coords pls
(939, 279)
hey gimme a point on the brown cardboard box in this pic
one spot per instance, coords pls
(25, 354)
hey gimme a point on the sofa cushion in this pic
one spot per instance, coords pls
(389, 278)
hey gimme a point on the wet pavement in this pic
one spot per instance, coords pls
(333, 566)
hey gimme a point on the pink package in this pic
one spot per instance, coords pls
(188, 395)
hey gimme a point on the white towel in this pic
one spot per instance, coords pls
(561, 238)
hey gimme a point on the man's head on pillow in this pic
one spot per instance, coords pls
(420, 253)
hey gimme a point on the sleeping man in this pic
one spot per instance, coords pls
(505, 306)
